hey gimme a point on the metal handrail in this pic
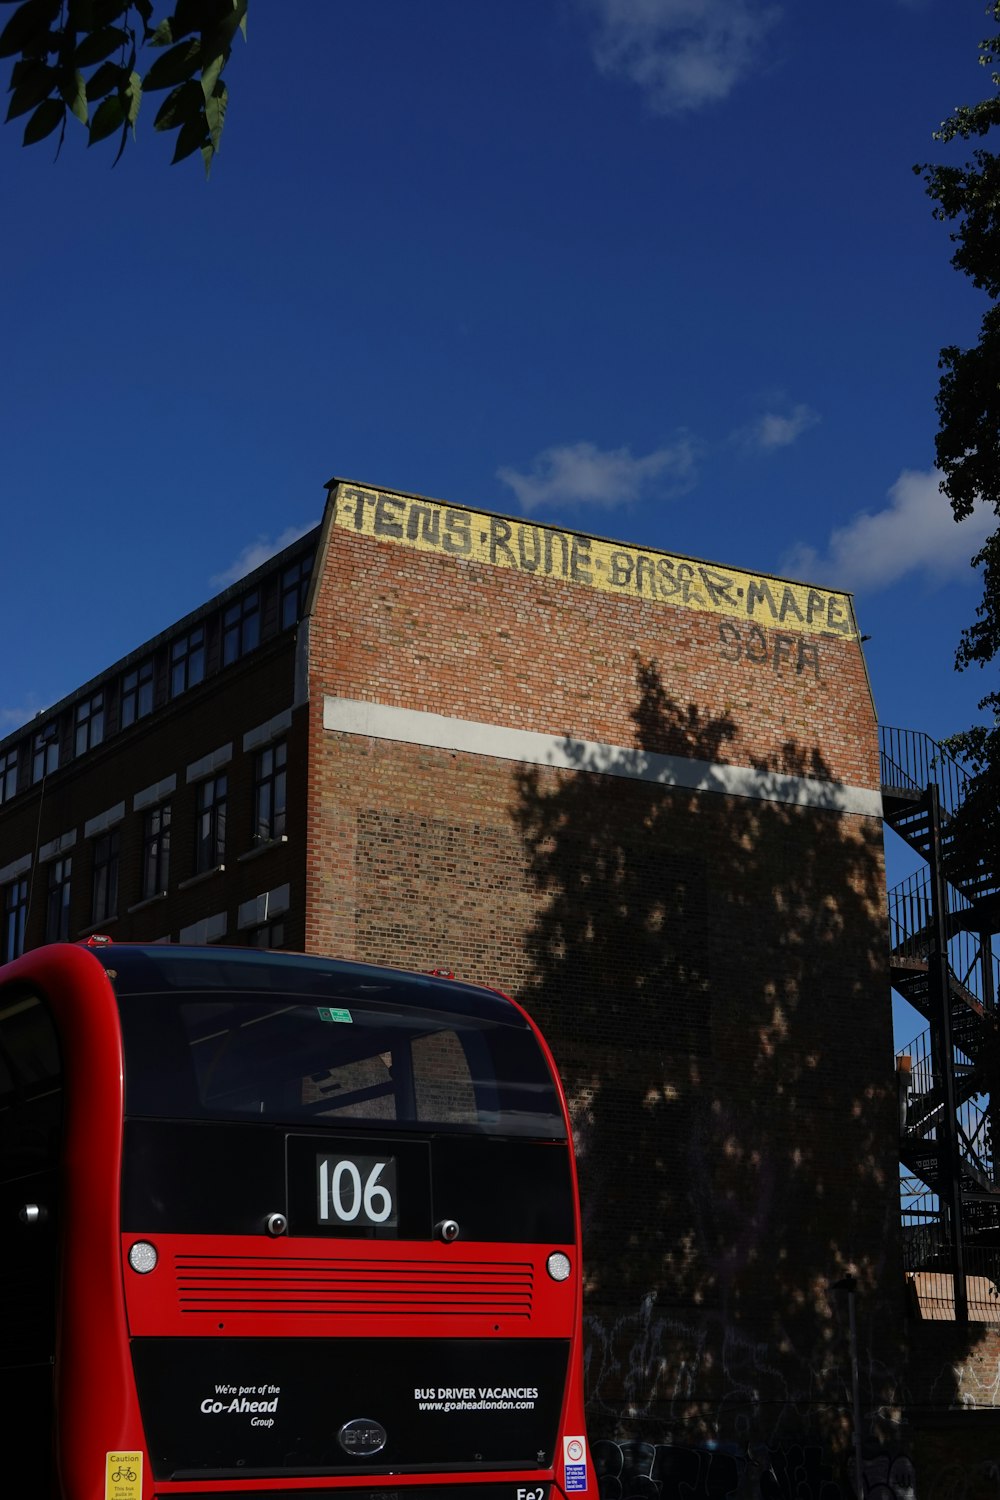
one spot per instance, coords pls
(973, 1117)
(910, 935)
(911, 759)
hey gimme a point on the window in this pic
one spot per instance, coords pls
(269, 935)
(15, 911)
(30, 1108)
(89, 723)
(8, 774)
(272, 1055)
(155, 851)
(241, 627)
(105, 903)
(294, 586)
(187, 661)
(57, 911)
(45, 752)
(210, 834)
(269, 793)
(137, 694)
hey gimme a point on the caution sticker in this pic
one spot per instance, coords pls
(123, 1476)
(575, 1463)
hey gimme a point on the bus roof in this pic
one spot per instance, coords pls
(161, 968)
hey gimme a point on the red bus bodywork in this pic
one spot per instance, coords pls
(217, 1339)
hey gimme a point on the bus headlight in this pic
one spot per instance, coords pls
(142, 1257)
(558, 1266)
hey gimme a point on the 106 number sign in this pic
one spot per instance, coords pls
(356, 1191)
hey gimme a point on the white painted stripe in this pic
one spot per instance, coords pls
(198, 769)
(150, 795)
(15, 868)
(55, 846)
(103, 821)
(411, 727)
(263, 734)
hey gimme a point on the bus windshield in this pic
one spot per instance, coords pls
(353, 1050)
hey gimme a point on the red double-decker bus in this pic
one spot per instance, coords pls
(281, 1226)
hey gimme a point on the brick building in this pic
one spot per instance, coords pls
(637, 791)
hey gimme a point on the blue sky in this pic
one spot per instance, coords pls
(656, 269)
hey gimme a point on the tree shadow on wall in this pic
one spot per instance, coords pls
(711, 971)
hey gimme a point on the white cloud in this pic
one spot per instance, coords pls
(915, 533)
(682, 54)
(776, 429)
(14, 718)
(582, 474)
(257, 552)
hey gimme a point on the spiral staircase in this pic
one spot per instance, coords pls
(942, 921)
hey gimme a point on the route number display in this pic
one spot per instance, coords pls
(357, 1191)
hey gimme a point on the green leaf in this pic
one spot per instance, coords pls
(106, 11)
(107, 77)
(132, 97)
(191, 138)
(186, 103)
(74, 91)
(28, 29)
(174, 67)
(215, 113)
(233, 15)
(192, 15)
(210, 74)
(99, 45)
(47, 117)
(163, 36)
(108, 117)
(121, 145)
(32, 88)
(80, 15)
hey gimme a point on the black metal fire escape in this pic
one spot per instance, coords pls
(942, 920)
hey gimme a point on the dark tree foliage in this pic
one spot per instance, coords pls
(81, 58)
(968, 403)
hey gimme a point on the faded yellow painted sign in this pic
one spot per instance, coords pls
(123, 1476)
(571, 557)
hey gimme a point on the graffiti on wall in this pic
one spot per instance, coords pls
(785, 1471)
(762, 648)
(570, 557)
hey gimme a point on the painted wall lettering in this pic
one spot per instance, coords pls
(783, 652)
(547, 552)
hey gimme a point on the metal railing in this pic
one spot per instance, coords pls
(935, 1289)
(927, 1260)
(910, 759)
(922, 1110)
(910, 936)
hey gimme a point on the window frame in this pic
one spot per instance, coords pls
(88, 723)
(187, 660)
(155, 851)
(277, 754)
(15, 917)
(241, 627)
(294, 586)
(137, 689)
(210, 824)
(106, 864)
(9, 773)
(59, 898)
(44, 751)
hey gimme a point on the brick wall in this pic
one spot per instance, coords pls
(709, 968)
